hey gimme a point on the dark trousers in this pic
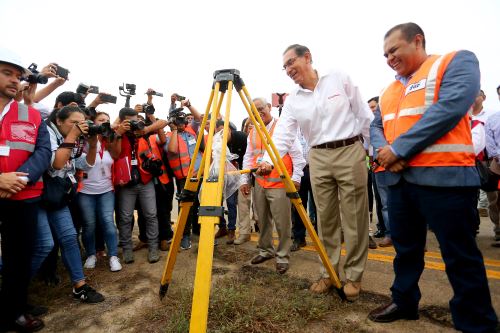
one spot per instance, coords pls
(164, 196)
(192, 220)
(298, 228)
(18, 230)
(450, 213)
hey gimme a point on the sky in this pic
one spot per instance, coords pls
(176, 46)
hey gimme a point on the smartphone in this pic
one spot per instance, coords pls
(62, 72)
(108, 98)
(93, 90)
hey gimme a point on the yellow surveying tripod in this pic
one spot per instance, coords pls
(211, 208)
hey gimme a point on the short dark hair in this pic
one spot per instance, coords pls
(409, 31)
(124, 112)
(498, 89)
(373, 99)
(219, 123)
(68, 97)
(64, 113)
(300, 50)
(102, 112)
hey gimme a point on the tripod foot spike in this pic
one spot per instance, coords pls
(341, 293)
(163, 290)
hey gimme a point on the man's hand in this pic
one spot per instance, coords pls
(11, 183)
(398, 166)
(29, 94)
(297, 185)
(245, 189)
(123, 127)
(138, 108)
(5, 194)
(386, 157)
(264, 168)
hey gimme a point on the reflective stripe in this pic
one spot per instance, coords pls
(22, 112)
(179, 167)
(412, 111)
(21, 146)
(390, 116)
(449, 148)
(431, 82)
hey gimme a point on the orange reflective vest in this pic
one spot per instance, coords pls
(179, 163)
(402, 106)
(19, 131)
(272, 180)
(153, 151)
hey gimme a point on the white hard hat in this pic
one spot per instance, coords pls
(13, 58)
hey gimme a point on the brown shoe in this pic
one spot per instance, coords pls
(140, 245)
(258, 259)
(281, 267)
(230, 237)
(351, 290)
(221, 232)
(386, 242)
(321, 286)
(242, 238)
(371, 243)
(164, 245)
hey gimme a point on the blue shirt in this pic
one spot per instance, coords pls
(492, 129)
(457, 93)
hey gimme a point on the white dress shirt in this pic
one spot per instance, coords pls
(333, 111)
(295, 152)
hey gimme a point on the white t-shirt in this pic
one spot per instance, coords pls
(97, 180)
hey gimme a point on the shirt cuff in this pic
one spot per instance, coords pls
(395, 152)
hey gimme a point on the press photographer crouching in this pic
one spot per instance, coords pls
(135, 183)
(96, 198)
(68, 132)
(181, 142)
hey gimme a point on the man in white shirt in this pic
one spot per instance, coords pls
(332, 116)
(271, 201)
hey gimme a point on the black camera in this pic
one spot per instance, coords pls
(177, 117)
(136, 125)
(35, 76)
(148, 109)
(152, 165)
(104, 129)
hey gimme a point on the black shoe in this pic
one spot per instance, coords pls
(36, 310)
(390, 312)
(297, 244)
(27, 323)
(379, 234)
(87, 294)
(260, 259)
(52, 279)
(281, 267)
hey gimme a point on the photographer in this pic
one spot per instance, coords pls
(181, 142)
(67, 128)
(157, 164)
(130, 151)
(96, 198)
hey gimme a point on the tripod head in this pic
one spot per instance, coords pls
(127, 90)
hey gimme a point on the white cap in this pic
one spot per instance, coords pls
(13, 58)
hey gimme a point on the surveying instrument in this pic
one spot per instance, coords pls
(211, 208)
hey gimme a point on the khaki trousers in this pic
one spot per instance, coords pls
(273, 205)
(338, 179)
(245, 208)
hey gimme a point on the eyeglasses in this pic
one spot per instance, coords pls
(260, 109)
(289, 62)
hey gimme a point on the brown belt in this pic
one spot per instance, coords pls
(337, 144)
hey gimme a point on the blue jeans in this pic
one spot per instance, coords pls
(232, 204)
(98, 208)
(63, 230)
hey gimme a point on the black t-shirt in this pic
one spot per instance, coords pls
(238, 145)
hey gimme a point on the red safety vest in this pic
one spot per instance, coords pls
(402, 106)
(154, 152)
(179, 163)
(272, 180)
(127, 151)
(19, 131)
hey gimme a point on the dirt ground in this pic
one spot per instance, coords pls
(247, 298)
